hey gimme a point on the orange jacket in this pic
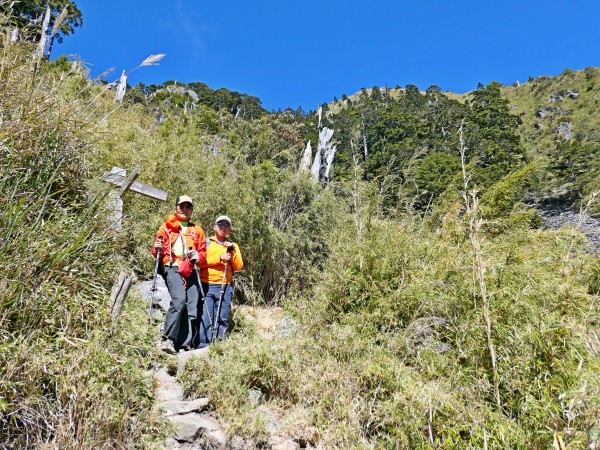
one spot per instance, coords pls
(170, 231)
(211, 269)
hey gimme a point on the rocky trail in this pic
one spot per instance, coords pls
(195, 426)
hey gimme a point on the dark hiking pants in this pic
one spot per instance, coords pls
(184, 303)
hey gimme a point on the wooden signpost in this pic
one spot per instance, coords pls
(118, 177)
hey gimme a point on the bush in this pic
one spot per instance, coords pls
(392, 348)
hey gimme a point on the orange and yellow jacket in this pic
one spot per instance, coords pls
(211, 270)
(171, 231)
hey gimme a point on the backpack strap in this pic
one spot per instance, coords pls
(170, 239)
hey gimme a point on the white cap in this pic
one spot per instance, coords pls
(225, 218)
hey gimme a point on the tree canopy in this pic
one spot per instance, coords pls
(27, 15)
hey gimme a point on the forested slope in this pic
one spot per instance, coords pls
(429, 308)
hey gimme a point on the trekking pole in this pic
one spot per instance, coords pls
(152, 296)
(218, 318)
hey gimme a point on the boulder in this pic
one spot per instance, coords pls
(173, 407)
(565, 129)
(287, 327)
(182, 357)
(555, 98)
(162, 298)
(194, 426)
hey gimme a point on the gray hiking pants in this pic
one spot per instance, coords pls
(184, 302)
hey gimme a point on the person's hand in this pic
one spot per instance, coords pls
(229, 246)
(225, 257)
(158, 244)
(193, 255)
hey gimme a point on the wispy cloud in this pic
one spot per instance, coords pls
(189, 28)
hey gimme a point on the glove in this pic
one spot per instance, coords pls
(193, 256)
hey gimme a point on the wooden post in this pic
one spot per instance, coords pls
(127, 183)
(117, 176)
(118, 293)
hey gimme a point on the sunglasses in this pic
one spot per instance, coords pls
(223, 225)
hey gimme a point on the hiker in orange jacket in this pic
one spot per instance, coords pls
(223, 257)
(183, 245)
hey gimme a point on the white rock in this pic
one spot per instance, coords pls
(168, 389)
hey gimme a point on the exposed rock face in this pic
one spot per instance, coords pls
(182, 90)
(194, 96)
(565, 129)
(589, 226)
(555, 98)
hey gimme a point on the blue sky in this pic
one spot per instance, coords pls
(305, 53)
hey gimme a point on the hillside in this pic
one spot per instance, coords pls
(557, 122)
(560, 127)
(416, 301)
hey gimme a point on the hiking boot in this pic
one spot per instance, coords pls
(168, 347)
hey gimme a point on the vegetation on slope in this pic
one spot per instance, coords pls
(421, 321)
(71, 377)
(391, 350)
(560, 129)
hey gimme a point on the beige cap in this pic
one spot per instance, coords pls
(184, 199)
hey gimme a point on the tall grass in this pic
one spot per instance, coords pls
(71, 377)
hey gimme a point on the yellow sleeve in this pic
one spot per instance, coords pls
(236, 259)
